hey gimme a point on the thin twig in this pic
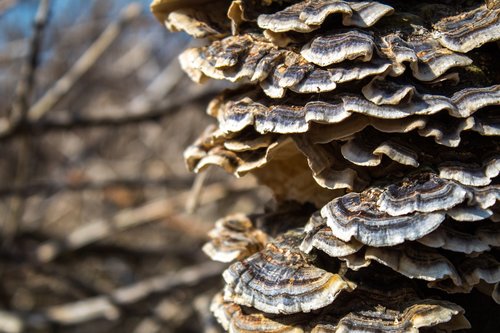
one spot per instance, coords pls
(24, 88)
(69, 122)
(18, 114)
(73, 35)
(100, 229)
(156, 111)
(196, 190)
(83, 64)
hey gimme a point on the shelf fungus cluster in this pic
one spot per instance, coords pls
(375, 124)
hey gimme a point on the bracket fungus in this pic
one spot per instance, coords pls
(283, 279)
(384, 117)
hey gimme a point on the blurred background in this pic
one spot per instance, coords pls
(101, 224)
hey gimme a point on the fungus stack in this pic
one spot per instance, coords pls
(376, 125)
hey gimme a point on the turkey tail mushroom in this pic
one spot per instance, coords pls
(379, 122)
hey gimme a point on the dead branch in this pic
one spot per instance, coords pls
(48, 188)
(100, 229)
(189, 276)
(24, 88)
(83, 64)
(108, 306)
(194, 197)
(18, 112)
(18, 49)
(10, 323)
(156, 111)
